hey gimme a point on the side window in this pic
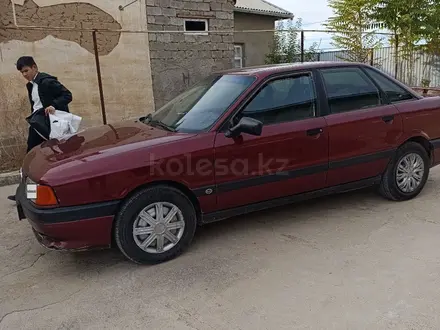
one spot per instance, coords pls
(284, 100)
(349, 89)
(394, 92)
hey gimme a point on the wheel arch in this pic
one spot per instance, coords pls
(174, 184)
(424, 142)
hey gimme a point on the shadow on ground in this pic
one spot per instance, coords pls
(272, 219)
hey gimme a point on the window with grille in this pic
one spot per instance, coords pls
(238, 56)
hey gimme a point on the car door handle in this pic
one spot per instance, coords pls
(388, 119)
(314, 131)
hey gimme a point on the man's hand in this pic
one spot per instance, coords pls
(50, 110)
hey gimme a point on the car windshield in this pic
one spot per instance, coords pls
(198, 108)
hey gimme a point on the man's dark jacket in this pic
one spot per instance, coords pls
(51, 92)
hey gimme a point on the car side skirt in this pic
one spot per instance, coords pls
(435, 143)
(225, 214)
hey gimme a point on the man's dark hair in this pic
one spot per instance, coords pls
(25, 61)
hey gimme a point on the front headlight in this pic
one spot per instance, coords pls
(40, 195)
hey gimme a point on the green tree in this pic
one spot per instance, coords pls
(431, 47)
(286, 45)
(407, 20)
(311, 53)
(352, 21)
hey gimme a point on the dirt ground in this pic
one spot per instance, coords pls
(352, 261)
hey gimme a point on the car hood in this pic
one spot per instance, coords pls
(97, 144)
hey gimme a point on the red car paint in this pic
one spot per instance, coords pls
(285, 141)
(361, 132)
(75, 235)
(110, 162)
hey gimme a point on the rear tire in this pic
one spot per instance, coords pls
(406, 174)
(155, 225)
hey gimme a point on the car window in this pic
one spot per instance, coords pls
(283, 100)
(394, 92)
(349, 89)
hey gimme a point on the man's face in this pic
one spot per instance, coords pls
(29, 72)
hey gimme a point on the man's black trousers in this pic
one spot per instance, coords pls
(34, 139)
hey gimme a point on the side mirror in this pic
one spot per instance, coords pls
(245, 125)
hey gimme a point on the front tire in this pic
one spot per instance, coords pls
(155, 225)
(406, 174)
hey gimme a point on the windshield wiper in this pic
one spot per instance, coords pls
(160, 124)
(150, 121)
(146, 119)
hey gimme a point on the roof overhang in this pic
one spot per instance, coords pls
(264, 13)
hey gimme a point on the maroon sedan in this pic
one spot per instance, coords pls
(238, 142)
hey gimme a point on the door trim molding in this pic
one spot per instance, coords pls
(287, 175)
(225, 214)
(361, 159)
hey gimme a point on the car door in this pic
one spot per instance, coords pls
(363, 128)
(289, 157)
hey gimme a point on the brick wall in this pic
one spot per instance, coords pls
(179, 60)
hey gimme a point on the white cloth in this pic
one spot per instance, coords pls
(63, 124)
(36, 97)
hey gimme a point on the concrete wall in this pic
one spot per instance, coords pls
(179, 60)
(255, 44)
(125, 63)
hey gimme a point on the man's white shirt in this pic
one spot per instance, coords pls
(35, 95)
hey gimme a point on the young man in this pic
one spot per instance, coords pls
(45, 91)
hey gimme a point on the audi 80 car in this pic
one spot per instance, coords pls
(239, 141)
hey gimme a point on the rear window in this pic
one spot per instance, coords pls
(349, 89)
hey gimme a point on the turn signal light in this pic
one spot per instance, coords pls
(45, 196)
(41, 195)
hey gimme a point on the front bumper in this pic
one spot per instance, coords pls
(69, 228)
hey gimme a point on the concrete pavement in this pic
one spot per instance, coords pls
(352, 261)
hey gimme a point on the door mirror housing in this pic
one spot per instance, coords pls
(245, 125)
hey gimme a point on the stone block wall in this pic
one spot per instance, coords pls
(180, 59)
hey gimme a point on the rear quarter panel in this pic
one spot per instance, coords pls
(421, 118)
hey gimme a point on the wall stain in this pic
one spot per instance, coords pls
(74, 15)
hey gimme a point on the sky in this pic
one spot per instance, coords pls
(313, 13)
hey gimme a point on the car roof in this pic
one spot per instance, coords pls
(264, 70)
